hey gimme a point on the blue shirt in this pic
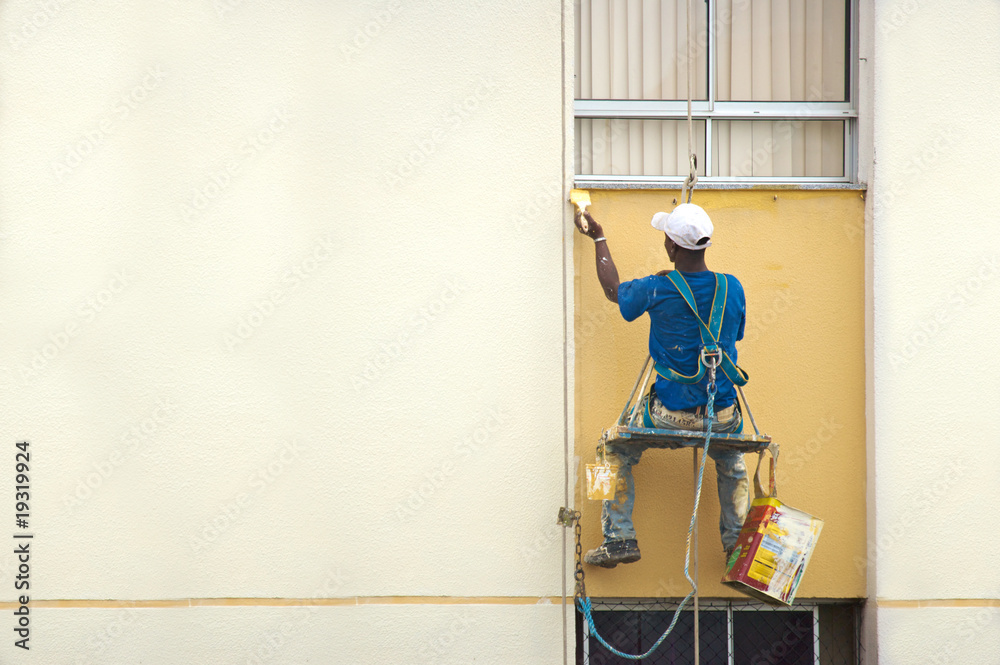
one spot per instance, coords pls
(674, 338)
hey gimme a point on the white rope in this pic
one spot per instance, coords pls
(688, 190)
(692, 177)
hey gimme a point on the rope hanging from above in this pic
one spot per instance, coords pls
(692, 178)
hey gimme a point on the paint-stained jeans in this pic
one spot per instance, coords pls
(731, 472)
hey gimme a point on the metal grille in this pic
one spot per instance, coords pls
(731, 632)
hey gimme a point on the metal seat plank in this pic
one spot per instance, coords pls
(672, 439)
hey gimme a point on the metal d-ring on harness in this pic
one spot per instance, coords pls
(711, 362)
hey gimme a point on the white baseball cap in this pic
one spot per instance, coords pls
(686, 226)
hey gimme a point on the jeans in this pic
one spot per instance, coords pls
(730, 469)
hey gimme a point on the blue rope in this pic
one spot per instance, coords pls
(584, 603)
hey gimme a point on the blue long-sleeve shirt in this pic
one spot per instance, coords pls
(674, 337)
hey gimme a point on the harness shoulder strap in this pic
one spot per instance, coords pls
(718, 311)
(709, 332)
(677, 279)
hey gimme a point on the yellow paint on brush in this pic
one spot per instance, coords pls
(581, 199)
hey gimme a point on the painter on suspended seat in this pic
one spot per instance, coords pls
(675, 343)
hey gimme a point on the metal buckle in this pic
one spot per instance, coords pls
(715, 355)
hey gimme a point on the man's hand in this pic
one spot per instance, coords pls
(594, 229)
(607, 273)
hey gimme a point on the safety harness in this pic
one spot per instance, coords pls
(709, 334)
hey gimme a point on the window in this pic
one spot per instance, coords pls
(773, 90)
(729, 633)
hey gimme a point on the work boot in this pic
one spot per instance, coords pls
(613, 552)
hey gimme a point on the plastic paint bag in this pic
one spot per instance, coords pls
(602, 479)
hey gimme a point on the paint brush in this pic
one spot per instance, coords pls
(581, 199)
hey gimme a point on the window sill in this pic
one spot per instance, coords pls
(701, 186)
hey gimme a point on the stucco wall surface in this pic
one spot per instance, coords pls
(937, 636)
(284, 288)
(937, 280)
(366, 635)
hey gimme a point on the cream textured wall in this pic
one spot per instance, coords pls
(284, 300)
(936, 247)
(253, 635)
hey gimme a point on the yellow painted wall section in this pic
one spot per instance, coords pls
(803, 348)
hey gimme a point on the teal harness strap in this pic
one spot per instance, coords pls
(709, 333)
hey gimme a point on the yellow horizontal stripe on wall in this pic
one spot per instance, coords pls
(291, 602)
(938, 602)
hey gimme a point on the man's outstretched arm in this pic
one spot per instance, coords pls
(607, 273)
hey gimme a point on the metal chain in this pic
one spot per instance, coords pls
(578, 574)
(568, 518)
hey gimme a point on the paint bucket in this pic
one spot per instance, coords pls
(775, 544)
(772, 551)
(602, 478)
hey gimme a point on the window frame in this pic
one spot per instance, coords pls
(710, 605)
(712, 110)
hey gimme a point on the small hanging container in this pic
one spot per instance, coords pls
(602, 478)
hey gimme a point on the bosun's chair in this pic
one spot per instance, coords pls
(626, 432)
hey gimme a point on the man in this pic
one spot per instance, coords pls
(675, 343)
